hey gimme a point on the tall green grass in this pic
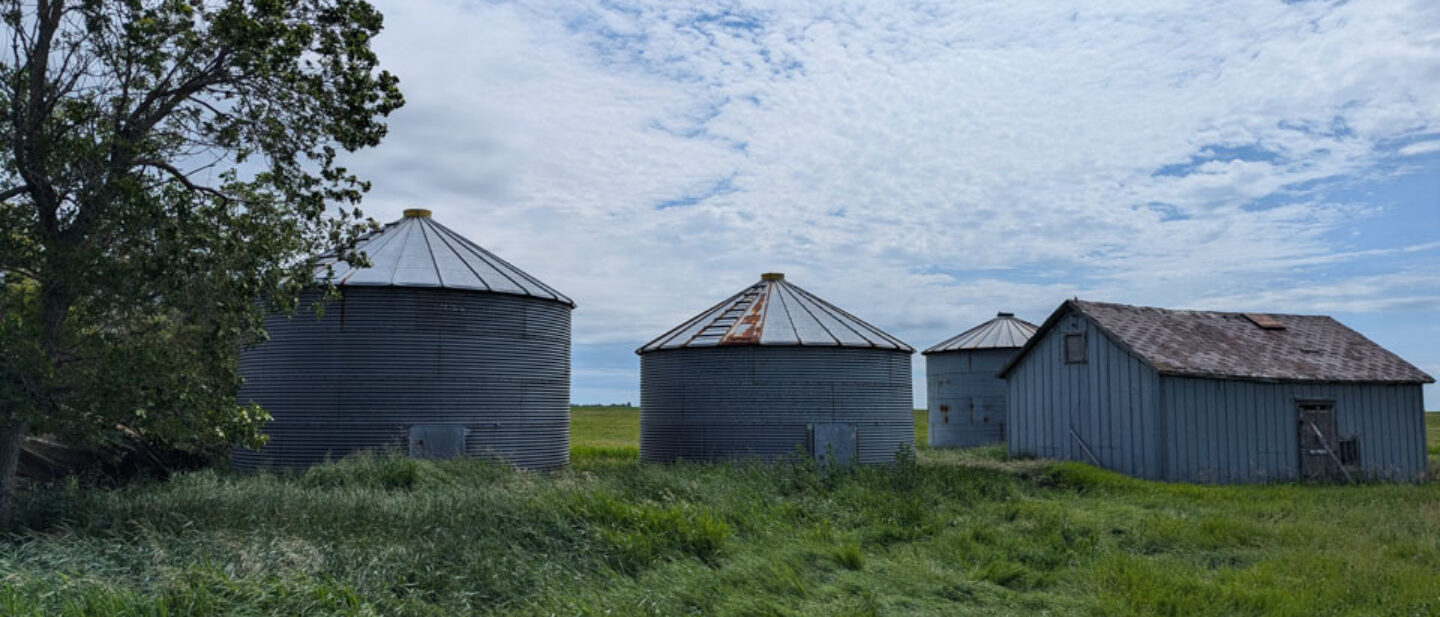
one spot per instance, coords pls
(952, 533)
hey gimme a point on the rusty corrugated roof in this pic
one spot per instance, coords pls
(1004, 331)
(1223, 345)
(415, 251)
(774, 312)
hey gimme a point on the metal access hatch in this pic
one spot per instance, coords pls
(834, 444)
(437, 441)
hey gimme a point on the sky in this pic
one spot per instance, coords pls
(924, 165)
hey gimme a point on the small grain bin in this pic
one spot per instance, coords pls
(771, 372)
(965, 396)
(437, 349)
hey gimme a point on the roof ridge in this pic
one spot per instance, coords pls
(1007, 324)
(1312, 348)
(391, 245)
(797, 311)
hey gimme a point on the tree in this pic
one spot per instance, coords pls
(164, 164)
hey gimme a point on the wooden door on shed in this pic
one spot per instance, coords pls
(1318, 455)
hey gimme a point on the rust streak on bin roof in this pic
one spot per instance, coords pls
(749, 327)
(774, 312)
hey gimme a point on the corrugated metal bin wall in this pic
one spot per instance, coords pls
(494, 367)
(717, 403)
(965, 397)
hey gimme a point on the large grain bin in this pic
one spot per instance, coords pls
(438, 349)
(771, 372)
(965, 396)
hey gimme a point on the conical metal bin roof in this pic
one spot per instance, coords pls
(415, 251)
(775, 312)
(1002, 332)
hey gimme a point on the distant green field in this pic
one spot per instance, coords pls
(965, 532)
(1432, 432)
(604, 431)
(611, 429)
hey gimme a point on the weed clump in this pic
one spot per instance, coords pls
(637, 536)
(850, 557)
(372, 471)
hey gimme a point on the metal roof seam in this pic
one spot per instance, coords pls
(788, 317)
(802, 298)
(836, 314)
(728, 306)
(508, 269)
(363, 246)
(429, 248)
(803, 319)
(876, 331)
(469, 267)
(1002, 331)
(663, 339)
(396, 261)
(555, 294)
(489, 259)
(404, 241)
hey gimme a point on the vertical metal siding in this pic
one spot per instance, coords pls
(957, 380)
(1239, 431)
(385, 359)
(1108, 402)
(717, 403)
(1196, 430)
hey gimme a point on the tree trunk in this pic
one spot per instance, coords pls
(12, 437)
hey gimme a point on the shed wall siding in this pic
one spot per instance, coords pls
(1239, 431)
(1108, 402)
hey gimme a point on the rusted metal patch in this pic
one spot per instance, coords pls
(801, 319)
(748, 328)
(1264, 321)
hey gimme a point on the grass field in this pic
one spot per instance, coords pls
(952, 533)
(1432, 432)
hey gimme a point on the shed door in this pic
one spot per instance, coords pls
(833, 444)
(1318, 455)
(437, 441)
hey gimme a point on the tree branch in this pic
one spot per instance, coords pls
(31, 115)
(6, 194)
(180, 177)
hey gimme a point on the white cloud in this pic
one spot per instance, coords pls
(920, 165)
(1420, 147)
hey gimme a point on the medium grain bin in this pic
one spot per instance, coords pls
(771, 372)
(437, 349)
(965, 396)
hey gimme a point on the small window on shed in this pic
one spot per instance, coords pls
(1074, 348)
(1349, 453)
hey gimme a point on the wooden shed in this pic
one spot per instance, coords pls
(1206, 396)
